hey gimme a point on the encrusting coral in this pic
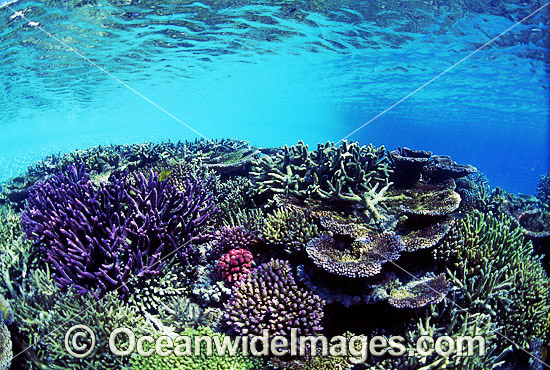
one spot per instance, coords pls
(96, 237)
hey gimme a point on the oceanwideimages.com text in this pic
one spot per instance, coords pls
(80, 342)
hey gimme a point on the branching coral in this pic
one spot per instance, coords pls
(45, 307)
(95, 238)
(459, 325)
(16, 254)
(498, 274)
(289, 228)
(269, 299)
(340, 173)
(234, 237)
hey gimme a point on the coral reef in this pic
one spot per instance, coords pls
(346, 237)
(95, 238)
(234, 265)
(268, 298)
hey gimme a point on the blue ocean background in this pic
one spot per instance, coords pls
(274, 73)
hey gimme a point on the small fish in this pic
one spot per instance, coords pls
(544, 353)
(459, 215)
(164, 174)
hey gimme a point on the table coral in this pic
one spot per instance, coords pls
(419, 293)
(427, 200)
(269, 298)
(363, 258)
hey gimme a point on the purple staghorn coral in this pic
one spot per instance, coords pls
(268, 298)
(96, 237)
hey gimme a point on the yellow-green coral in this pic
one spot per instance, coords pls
(193, 362)
(289, 228)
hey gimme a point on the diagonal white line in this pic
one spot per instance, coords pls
(37, 25)
(442, 73)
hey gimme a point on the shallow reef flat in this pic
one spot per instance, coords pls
(225, 240)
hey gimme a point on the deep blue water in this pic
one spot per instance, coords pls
(277, 72)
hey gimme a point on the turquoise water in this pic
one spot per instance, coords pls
(277, 72)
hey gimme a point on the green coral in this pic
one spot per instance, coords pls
(492, 263)
(44, 315)
(16, 254)
(193, 362)
(341, 173)
(455, 323)
(289, 228)
(250, 219)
